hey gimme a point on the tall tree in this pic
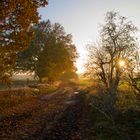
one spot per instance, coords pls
(115, 51)
(16, 18)
(51, 52)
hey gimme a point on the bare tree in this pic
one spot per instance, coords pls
(110, 57)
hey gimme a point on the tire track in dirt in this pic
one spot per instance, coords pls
(55, 116)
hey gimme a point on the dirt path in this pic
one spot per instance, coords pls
(68, 124)
(57, 116)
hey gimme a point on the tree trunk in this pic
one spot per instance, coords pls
(113, 91)
(40, 79)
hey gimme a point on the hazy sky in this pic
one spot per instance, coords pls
(82, 18)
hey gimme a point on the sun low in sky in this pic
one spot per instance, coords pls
(82, 19)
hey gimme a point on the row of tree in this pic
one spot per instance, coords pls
(27, 45)
(115, 56)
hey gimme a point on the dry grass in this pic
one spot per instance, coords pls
(124, 122)
(15, 97)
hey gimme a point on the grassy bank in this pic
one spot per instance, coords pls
(123, 123)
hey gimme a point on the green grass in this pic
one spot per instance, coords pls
(83, 84)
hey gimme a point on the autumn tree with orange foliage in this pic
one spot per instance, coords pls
(16, 18)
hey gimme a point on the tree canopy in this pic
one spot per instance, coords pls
(16, 18)
(51, 52)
